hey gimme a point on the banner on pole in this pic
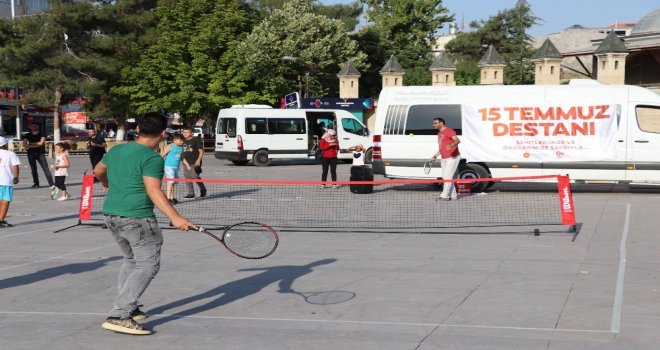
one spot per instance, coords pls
(546, 133)
(86, 193)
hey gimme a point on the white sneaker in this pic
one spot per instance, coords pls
(63, 198)
(323, 186)
(335, 186)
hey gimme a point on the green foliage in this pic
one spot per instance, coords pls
(349, 14)
(406, 29)
(507, 32)
(185, 69)
(313, 43)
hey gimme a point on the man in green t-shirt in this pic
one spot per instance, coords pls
(132, 173)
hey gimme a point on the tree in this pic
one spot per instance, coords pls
(507, 32)
(349, 14)
(406, 29)
(179, 72)
(52, 55)
(314, 45)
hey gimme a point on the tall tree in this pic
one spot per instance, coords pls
(349, 14)
(52, 55)
(406, 29)
(178, 72)
(507, 32)
(292, 50)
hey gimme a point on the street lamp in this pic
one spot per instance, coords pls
(296, 59)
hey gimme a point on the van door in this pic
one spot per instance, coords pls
(352, 132)
(644, 142)
(225, 137)
(287, 138)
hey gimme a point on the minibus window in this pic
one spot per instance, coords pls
(227, 126)
(648, 118)
(420, 118)
(352, 126)
(286, 126)
(256, 126)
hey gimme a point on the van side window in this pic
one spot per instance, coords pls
(227, 126)
(286, 126)
(352, 126)
(648, 118)
(256, 126)
(395, 119)
(420, 119)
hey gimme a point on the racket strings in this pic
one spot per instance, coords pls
(251, 240)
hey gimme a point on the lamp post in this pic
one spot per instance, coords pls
(300, 80)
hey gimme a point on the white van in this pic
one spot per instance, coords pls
(260, 133)
(404, 137)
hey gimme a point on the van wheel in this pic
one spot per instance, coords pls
(239, 162)
(474, 171)
(368, 157)
(260, 158)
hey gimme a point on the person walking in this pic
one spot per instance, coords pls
(9, 171)
(193, 152)
(132, 174)
(96, 146)
(330, 148)
(35, 143)
(449, 157)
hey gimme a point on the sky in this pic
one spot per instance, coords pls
(555, 14)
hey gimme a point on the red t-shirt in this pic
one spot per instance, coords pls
(444, 139)
(329, 151)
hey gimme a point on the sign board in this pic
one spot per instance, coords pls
(544, 133)
(292, 101)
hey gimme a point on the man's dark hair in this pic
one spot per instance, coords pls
(152, 124)
(440, 120)
(177, 136)
(188, 128)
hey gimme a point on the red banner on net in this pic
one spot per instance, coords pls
(566, 200)
(85, 211)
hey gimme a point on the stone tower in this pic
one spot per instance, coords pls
(547, 64)
(610, 65)
(348, 81)
(392, 73)
(442, 70)
(492, 67)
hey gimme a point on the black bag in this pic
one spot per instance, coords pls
(361, 170)
(363, 173)
(198, 170)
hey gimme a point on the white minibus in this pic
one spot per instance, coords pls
(404, 137)
(261, 133)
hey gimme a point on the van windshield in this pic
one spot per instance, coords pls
(227, 126)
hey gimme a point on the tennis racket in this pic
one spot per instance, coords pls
(248, 240)
(326, 298)
(427, 168)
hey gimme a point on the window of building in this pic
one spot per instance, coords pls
(552, 70)
(616, 65)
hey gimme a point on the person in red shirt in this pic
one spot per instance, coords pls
(330, 148)
(449, 157)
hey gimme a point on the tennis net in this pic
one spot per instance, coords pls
(393, 205)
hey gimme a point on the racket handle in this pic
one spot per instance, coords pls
(198, 228)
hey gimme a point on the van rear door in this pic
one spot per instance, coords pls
(225, 137)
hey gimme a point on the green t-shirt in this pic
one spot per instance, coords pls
(127, 164)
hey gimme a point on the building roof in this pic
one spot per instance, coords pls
(492, 57)
(349, 70)
(611, 44)
(648, 24)
(547, 50)
(443, 61)
(392, 66)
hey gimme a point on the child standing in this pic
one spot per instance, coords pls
(61, 170)
(172, 155)
(9, 170)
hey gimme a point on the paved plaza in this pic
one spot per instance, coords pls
(457, 289)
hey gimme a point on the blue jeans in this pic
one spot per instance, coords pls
(140, 240)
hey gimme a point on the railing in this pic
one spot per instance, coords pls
(80, 147)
